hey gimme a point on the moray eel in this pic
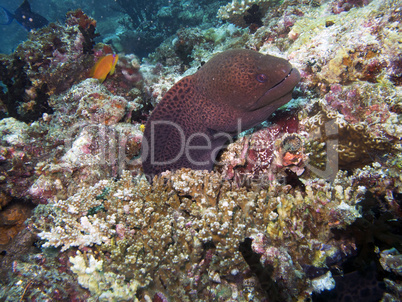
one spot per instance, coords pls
(234, 91)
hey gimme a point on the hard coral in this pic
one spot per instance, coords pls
(185, 42)
(395, 70)
(39, 276)
(365, 126)
(127, 81)
(277, 26)
(78, 17)
(87, 27)
(22, 100)
(197, 236)
(182, 235)
(50, 61)
(12, 220)
(245, 13)
(95, 144)
(19, 153)
(333, 52)
(80, 142)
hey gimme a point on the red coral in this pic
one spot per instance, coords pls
(159, 297)
(78, 17)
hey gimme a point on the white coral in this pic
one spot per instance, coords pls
(239, 7)
(89, 230)
(103, 286)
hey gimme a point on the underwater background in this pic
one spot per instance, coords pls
(304, 207)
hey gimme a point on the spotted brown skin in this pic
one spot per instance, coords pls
(234, 91)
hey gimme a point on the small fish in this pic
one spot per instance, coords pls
(24, 16)
(104, 66)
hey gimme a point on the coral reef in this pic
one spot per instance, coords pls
(192, 225)
(298, 207)
(391, 261)
(12, 220)
(268, 151)
(346, 5)
(95, 146)
(371, 129)
(53, 59)
(340, 53)
(38, 277)
(19, 154)
(80, 140)
(103, 286)
(244, 13)
(153, 22)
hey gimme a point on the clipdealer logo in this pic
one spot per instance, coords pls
(108, 146)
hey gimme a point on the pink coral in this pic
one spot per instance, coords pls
(263, 151)
(345, 5)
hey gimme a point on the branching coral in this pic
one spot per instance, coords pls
(182, 236)
(103, 286)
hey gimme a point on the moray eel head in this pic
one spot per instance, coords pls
(232, 92)
(247, 80)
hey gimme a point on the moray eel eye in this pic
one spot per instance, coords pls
(262, 78)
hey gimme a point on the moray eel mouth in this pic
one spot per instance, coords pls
(283, 80)
(279, 94)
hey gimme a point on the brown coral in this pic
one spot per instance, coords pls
(182, 235)
(12, 220)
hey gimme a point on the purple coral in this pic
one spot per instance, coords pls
(339, 6)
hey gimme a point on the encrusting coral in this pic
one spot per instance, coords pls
(332, 51)
(364, 121)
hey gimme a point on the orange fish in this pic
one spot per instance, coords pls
(104, 66)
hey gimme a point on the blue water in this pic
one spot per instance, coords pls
(13, 34)
(137, 23)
